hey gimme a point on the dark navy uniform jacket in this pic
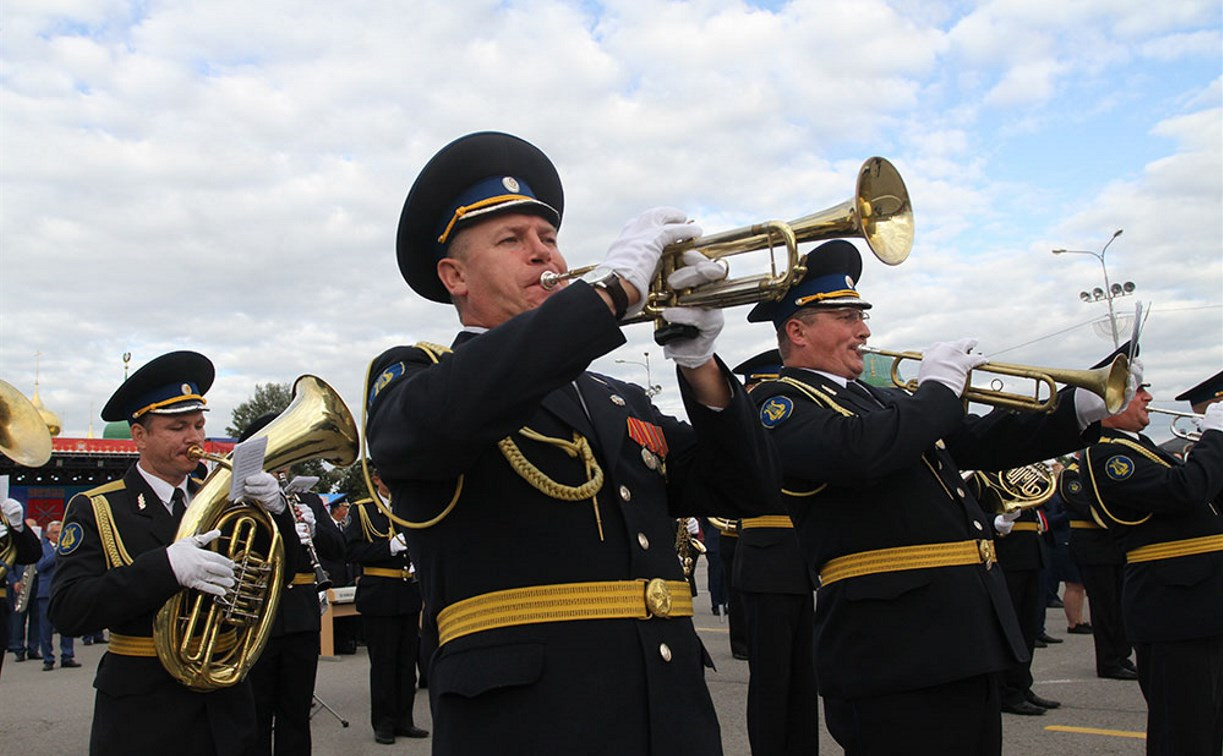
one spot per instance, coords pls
(87, 597)
(871, 473)
(379, 596)
(612, 686)
(1146, 496)
(1090, 543)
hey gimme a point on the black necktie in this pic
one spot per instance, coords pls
(864, 391)
(177, 503)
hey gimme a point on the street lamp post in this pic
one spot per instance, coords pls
(1110, 291)
(651, 389)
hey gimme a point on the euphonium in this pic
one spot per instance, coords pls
(208, 643)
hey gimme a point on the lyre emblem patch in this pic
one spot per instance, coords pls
(1119, 467)
(775, 411)
(70, 538)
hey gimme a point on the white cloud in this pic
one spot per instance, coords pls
(228, 178)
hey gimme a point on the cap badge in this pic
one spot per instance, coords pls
(510, 183)
(185, 388)
(849, 282)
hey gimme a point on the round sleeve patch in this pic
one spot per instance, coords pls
(1119, 467)
(1075, 486)
(775, 411)
(70, 538)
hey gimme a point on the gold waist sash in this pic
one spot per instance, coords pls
(1084, 525)
(563, 602)
(387, 572)
(1170, 549)
(303, 578)
(767, 521)
(920, 557)
(141, 645)
(1028, 526)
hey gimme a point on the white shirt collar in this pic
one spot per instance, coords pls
(839, 380)
(164, 490)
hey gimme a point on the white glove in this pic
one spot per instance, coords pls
(3, 530)
(1214, 418)
(199, 568)
(949, 363)
(303, 532)
(697, 269)
(693, 528)
(634, 254)
(265, 489)
(1131, 384)
(14, 514)
(305, 516)
(694, 352)
(398, 544)
(1003, 523)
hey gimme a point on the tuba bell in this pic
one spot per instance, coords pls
(208, 642)
(25, 439)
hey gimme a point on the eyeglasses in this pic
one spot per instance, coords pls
(849, 315)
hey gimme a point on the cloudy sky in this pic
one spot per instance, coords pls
(227, 176)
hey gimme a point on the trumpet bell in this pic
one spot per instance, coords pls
(24, 436)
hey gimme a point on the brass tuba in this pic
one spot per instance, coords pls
(25, 439)
(208, 642)
(879, 212)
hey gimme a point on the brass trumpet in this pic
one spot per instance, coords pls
(1194, 435)
(1108, 382)
(879, 212)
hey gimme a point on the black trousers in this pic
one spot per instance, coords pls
(1183, 684)
(1103, 584)
(283, 683)
(1028, 597)
(393, 644)
(961, 718)
(736, 614)
(783, 704)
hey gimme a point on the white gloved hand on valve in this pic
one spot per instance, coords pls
(949, 363)
(634, 255)
(265, 489)
(13, 514)
(197, 567)
(398, 544)
(1004, 523)
(693, 528)
(696, 269)
(694, 352)
(303, 532)
(1213, 419)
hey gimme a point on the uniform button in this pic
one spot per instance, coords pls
(645, 542)
(940, 464)
(626, 494)
(616, 400)
(960, 492)
(664, 651)
(939, 443)
(977, 525)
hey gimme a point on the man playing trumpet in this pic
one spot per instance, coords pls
(913, 620)
(540, 498)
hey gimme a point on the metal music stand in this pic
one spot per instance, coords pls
(319, 703)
